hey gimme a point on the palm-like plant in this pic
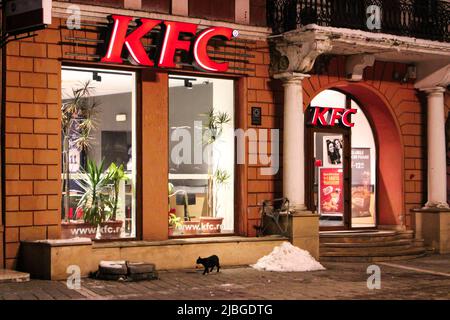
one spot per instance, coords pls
(172, 193)
(116, 174)
(96, 201)
(78, 120)
(216, 121)
(221, 178)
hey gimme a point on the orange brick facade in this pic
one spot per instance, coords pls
(33, 140)
(32, 192)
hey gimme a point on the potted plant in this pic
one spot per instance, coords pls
(189, 226)
(213, 224)
(112, 228)
(214, 127)
(175, 223)
(78, 120)
(95, 201)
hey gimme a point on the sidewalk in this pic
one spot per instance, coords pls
(424, 278)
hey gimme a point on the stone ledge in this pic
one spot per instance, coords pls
(190, 241)
(430, 210)
(50, 259)
(304, 214)
(61, 242)
(142, 243)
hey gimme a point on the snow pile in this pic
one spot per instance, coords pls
(288, 258)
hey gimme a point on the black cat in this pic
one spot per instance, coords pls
(209, 263)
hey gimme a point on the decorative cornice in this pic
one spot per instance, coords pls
(355, 65)
(297, 52)
(354, 37)
(439, 78)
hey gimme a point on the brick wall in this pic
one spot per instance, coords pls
(204, 9)
(266, 93)
(32, 141)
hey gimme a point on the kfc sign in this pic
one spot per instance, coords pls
(331, 116)
(121, 41)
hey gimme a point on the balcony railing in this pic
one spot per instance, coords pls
(426, 19)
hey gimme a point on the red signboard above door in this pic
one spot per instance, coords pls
(329, 117)
(173, 38)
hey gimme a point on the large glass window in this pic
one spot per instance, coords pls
(98, 153)
(201, 156)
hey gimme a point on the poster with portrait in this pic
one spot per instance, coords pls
(333, 151)
(361, 182)
(331, 188)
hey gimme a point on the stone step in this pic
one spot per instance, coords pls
(367, 246)
(365, 237)
(372, 259)
(393, 243)
(374, 252)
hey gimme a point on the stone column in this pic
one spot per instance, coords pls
(437, 166)
(293, 140)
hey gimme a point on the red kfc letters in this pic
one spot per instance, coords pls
(120, 38)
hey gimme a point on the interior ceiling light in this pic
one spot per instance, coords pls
(96, 76)
(188, 83)
(121, 117)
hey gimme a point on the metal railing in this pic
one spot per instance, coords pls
(426, 19)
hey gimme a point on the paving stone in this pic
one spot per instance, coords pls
(339, 281)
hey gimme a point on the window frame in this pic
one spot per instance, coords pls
(240, 170)
(136, 136)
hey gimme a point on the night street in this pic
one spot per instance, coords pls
(424, 278)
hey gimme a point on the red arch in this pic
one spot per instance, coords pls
(390, 205)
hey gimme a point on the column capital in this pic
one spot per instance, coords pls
(291, 77)
(434, 90)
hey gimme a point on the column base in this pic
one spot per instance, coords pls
(436, 205)
(298, 208)
(304, 231)
(433, 226)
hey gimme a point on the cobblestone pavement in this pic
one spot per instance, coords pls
(424, 278)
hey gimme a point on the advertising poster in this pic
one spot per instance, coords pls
(361, 182)
(331, 187)
(333, 148)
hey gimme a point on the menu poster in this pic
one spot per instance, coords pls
(331, 187)
(361, 182)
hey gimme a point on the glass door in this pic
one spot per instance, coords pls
(329, 177)
(341, 164)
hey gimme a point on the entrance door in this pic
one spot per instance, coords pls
(329, 176)
(341, 168)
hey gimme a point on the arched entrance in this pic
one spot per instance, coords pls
(386, 181)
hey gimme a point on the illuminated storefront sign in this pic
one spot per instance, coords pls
(121, 40)
(331, 116)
